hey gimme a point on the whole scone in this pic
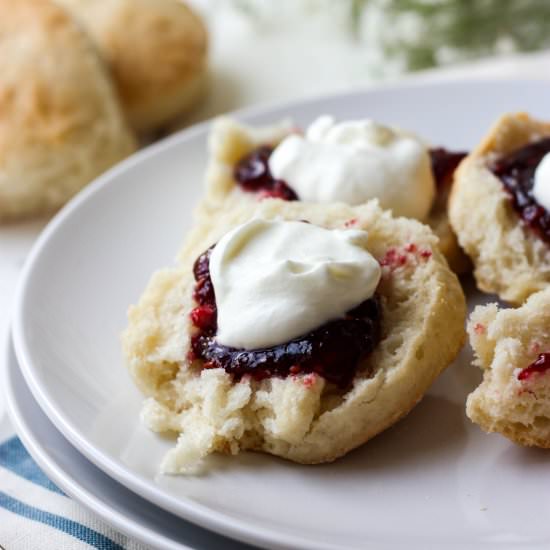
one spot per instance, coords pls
(157, 52)
(60, 120)
(230, 141)
(509, 258)
(512, 346)
(301, 417)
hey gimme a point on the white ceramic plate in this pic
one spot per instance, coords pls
(434, 480)
(80, 479)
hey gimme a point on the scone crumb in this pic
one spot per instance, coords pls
(310, 380)
(480, 328)
(535, 348)
(395, 258)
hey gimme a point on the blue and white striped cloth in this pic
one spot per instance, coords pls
(36, 515)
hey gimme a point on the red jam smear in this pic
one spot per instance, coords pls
(516, 171)
(252, 172)
(540, 366)
(333, 351)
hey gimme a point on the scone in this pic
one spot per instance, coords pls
(493, 209)
(512, 346)
(157, 52)
(227, 383)
(349, 162)
(60, 121)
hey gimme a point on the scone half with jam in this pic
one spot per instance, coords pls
(512, 347)
(349, 161)
(300, 330)
(500, 208)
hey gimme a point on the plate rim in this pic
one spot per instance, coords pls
(195, 512)
(66, 482)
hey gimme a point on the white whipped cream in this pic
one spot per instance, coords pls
(355, 161)
(277, 280)
(541, 188)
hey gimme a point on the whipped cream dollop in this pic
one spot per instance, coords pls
(277, 280)
(355, 161)
(541, 187)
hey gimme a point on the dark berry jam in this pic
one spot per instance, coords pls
(517, 173)
(252, 174)
(444, 164)
(540, 366)
(333, 351)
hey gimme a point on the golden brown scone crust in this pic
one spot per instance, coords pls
(297, 418)
(231, 140)
(157, 51)
(509, 259)
(60, 121)
(506, 341)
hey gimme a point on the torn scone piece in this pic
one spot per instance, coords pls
(313, 328)
(512, 346)
(350, 162)
(500, 208)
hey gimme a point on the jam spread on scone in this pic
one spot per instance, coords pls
(334, 350)
(252, 172)
(540, 366)
(516, 171)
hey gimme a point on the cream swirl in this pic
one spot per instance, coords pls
(355, 161)
(277, 280)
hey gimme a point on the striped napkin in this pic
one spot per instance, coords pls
(35, 514)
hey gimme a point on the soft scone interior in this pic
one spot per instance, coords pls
(301, 418)
(509, 259)
(505, 342)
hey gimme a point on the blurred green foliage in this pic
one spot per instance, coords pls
(462, 29)
(418, 34)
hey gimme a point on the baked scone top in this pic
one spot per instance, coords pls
(156, 50)
(60, 121)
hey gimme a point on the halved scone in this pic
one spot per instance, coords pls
(497, 222)
(512, 346)
(300, 416)
(237, 149)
